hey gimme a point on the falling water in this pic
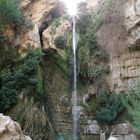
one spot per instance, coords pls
(74, 92)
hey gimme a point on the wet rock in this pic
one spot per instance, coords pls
(92, 127)
(128, 137)
(123, 128)
(102, 136)
(113, 138)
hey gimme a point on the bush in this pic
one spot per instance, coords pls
(132, 104)
(92, 59)
(8, 98)
(9, 12)
(23, 78)
(60, 42)
(31, 118)
(109, 107)
(84, 61)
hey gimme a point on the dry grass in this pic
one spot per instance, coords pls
(31, 118)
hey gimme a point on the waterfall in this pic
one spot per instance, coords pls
(74, 91)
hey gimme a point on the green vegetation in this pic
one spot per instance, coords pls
(21, 88)
(109, 106)
(66, 136)
(92, 59)
(20, 77)
(30, 117)
(131, 101)
(106, 106)
(60, 42)
(92, 66)
(9, 12)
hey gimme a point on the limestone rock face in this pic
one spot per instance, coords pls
(132, 14)
(92, 128)
(35, 12)
(10, 130)
(123, 137)
(57, 102)
(120, 36)
(123, 129)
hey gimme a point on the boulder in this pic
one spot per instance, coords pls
(10, 130)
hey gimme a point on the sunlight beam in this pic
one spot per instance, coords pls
(71, 6)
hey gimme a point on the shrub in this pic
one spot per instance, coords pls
(132, 104)
(109, 107)
(31, 118)
(22, 78)
(90, 54)
(8, 97)
(9, 12)
(84, 61)
(60, 42)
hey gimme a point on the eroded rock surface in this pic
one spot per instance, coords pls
(120, 36)
(36, 12)
(123, 137)
(10, 130)
(92, 128)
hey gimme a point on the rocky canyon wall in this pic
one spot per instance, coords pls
(120, 37)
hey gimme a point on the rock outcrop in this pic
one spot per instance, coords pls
(120, 36)
(10, 130)
(57, 101)
(36, 13)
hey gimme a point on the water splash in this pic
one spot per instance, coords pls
(74, 92)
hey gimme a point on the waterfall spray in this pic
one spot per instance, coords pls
(73, 11)
(74, 92)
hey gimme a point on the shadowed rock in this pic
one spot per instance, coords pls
(45, 24)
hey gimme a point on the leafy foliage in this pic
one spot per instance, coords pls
(8, 97)
(92, 59)
(66, 136)
(9, 12)
(109, 107)
(6, 49)
(22, 77)
(132, 104)
(91, 56)
(60, 42)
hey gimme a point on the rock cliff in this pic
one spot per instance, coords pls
(120, 37)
